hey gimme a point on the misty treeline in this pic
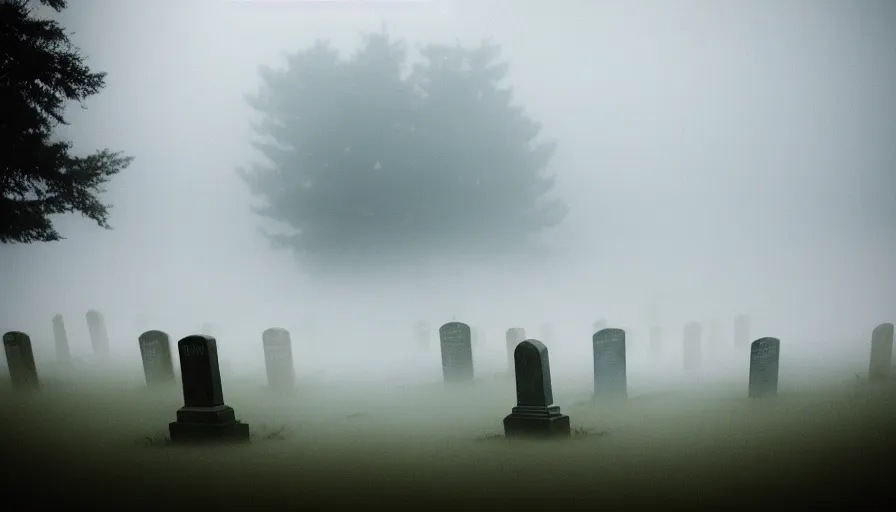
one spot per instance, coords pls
(41, 71)
(376, 155)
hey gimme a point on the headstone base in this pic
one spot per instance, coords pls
(204, 424)
(527, 421)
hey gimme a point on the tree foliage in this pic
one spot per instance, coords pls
(40, 72)
(365, 157)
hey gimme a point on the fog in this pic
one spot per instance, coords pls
(718, 158)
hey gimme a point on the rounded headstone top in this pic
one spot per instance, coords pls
(765, 341)
(14, 336)
(531, 345)
(154, 333)
(454, 325)
(608, 333)
(884, 327)
(197, 338)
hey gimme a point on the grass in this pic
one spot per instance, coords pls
(107, 446)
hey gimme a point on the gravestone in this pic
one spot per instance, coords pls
(457, 352)
(656, 340)
(692, 347)
(421, 333)
(608, 347)
(60, 340)
(155, 351)
(20, 359)
(765, 353)
(99, 338)
(534, 416)
(204, 416)
(598, 325)
(881, 353)
(741, 331)
(512, 338)
(278, 359)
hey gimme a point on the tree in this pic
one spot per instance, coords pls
(40, 72)
(363, 159)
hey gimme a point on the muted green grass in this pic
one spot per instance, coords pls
(428, 445)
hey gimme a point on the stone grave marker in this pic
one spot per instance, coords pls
(155, 351)
(421, 333)
(534, 416)
(692, 347)
(60, 340)
(881, 353)
(99, 338)
(765, 353)
(204, 416)
(457, 352)
(656, 340)
(741, 331)
(609, 364)
(20, 359)
(278, 362)
(512, 338)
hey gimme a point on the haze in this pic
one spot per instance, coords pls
(718, 158)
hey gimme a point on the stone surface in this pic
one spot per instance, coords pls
(534, 416)
(204, 416)
(20, 359)
(610, 380)
(99, 338)
(692, 347)
(765, 354)
(512, 338)
(60, 341)
(457, 352)
(741, 331)
(881, 361)
(278, 362)
(155, 351)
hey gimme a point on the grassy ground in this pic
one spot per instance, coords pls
(102, 443)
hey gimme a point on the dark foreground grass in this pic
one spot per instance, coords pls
(424, 448)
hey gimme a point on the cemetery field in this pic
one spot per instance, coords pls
(101, 442)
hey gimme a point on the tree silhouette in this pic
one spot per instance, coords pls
(40, 72)
(363, 159)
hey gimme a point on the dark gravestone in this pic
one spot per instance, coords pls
(457, 352)
(765, 353)
(881, 353)
(598, 325)
(691, 346)
(99, 338)
(278, 359)
(512, 338)
(155, 351)
(741, 331)
(60, 340)
(20, 358)
(609, 364)
(421, 333)
(204, 416)
(535, 415)
(656, 341)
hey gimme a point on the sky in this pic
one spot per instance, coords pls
(718, 157)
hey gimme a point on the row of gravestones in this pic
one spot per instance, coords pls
(96, 326)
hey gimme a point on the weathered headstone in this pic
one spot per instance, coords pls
(99, 338)
(155, 351)
(457, 352)
(534, 416)
(278, 362)
(20, 358)
(598, 325)
(881, 353)
(741, 331)
(421, 333)
(60, 340)
(765, 353)
(204, 416)
(656, 340)
(692, 347)
(609, 364)
(512, 338)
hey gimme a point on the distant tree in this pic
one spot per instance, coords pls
(364, 159)
(40, 72)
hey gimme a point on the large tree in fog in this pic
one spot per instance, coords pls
(40, 72)
(364, 158)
